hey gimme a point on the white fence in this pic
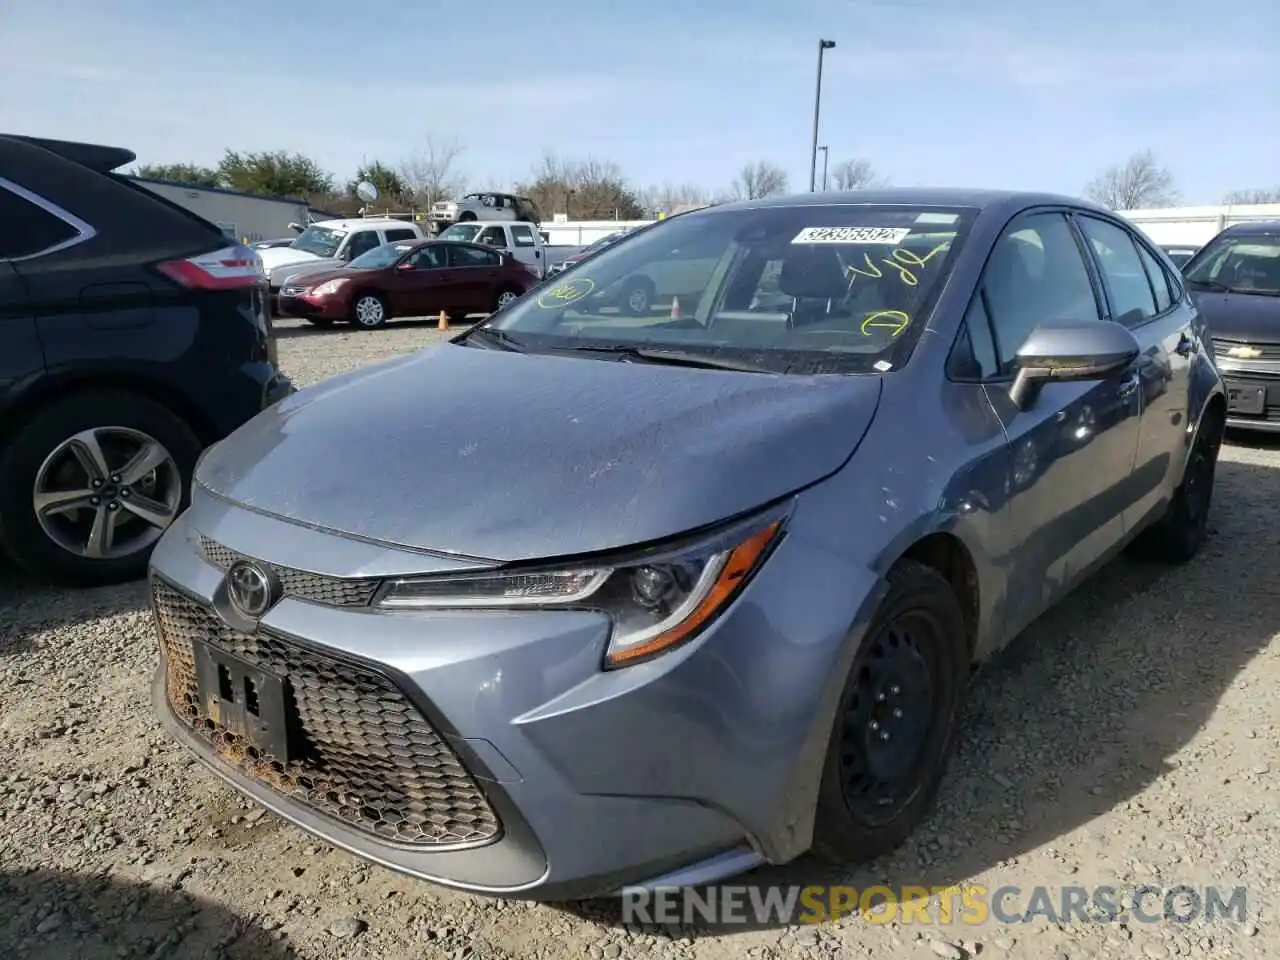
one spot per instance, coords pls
(1196, 226)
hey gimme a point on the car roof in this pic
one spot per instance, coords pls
(1258, 227)
(978, 199)
(362, 223)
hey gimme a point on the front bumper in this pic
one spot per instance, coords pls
(577, 781)
(1252, 376)
(327, 309)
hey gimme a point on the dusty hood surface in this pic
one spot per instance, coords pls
(509, 456)
(277, 257)
(1239, 316)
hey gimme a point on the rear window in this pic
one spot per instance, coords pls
(28, 228)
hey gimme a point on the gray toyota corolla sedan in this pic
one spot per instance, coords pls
(601, 595)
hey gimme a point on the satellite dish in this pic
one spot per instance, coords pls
(366, 191)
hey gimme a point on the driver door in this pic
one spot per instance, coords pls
(1073, 444)
(417, 283)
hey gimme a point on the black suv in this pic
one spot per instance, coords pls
(133, 334)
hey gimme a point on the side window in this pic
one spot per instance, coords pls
(472, 257)
(1132, 301)
(974, 355)
(493, 237)
(362, 242)
(28, 229)
(1036, 274)
(393, 236)
(523, 236)
(426, 257)
(1158, 277)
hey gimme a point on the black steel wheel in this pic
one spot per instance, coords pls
(1178, 535)
(896, 721)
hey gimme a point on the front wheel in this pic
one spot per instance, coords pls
(89, 484)
(369, 311)
(896, 721)
(636, 298)
(505, 298)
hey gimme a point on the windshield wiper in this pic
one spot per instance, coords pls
(1213, 285)
(500, 337)
(675, 358)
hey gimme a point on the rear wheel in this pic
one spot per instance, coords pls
(89, 484)
(896, 721)
(637, 296)
(369, 310)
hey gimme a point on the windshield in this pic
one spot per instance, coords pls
(322, 241)
(1240, 264)
(461, 231)
(380, 257)
(838, 288)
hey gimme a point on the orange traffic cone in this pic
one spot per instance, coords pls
(443, 323)
(675, 308)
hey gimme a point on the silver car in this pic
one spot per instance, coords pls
(584, 600)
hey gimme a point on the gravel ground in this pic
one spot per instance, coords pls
(1130, 737)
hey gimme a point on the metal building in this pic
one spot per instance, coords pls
(243, 216)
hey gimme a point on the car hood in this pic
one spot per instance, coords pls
(506, 456)
(1240, 316)
(312, 278)
(284, 256)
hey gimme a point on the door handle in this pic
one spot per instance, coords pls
(1129, 387)
(1186, 346)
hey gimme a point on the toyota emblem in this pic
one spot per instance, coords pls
(250, 589)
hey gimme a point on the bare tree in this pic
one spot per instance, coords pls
(431, 174)
(673, 198)
(588, 189)
(1141, 183)
(759, 179)
(856, 174)
(1253, 196)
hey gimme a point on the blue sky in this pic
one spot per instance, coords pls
(987, 93)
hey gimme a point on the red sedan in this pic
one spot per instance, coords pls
(408, 279)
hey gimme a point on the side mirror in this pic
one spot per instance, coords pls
(1063, 350)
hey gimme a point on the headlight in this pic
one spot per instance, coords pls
(328, 287)
(656, 602)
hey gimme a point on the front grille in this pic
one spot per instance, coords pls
(365, 755)
(1266, 351)
(302, 584)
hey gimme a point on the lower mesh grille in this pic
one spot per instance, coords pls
(365, 755)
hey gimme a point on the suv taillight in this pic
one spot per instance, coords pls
(229, 268)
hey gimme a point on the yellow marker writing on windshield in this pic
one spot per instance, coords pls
(894, 321)
(565, 293)
(900, 260)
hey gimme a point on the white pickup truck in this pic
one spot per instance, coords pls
(522, 240)
(330, 244)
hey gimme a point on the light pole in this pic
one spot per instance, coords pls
(823, 46)
(825, 156)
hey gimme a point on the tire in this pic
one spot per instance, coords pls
(636, 298)
(505, 298)
(846, 830)
(369, 311)
(40, 454)
(467, 217)
(1178, 535)
(323, 323)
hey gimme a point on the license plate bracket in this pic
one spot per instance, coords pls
(1246, 398)
(245, 700)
